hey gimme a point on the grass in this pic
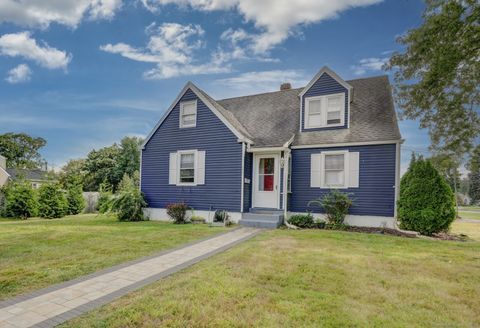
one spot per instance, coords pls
(37, 252)
(469, 208)
(469, 215)
(317, 279)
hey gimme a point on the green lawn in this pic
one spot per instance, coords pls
(469, 208)
(37, 252)
(285, 278)
(469, 215)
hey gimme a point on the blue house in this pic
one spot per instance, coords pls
(263, 157)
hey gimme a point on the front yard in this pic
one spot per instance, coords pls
(314, 278)
(38, 252)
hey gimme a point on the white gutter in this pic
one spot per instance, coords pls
(367, 143)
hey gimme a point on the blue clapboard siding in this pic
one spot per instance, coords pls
(223, 162)
(376, 193)
(325, 85)
(247, 191)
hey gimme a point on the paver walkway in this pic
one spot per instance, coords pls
(53, 305)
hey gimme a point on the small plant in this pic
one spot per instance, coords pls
(177, 212)
(336, 205)
(220, 216)
(51, 201)
(304, 221)
(197, 219)
(19, 200)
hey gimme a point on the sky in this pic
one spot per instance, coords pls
(84, 73)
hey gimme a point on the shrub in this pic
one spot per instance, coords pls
(197, 219)
(128, 204)
(51, 201)
(426, 203)
(177, 212)
(19, 200)
(75, 200)
(336, 205)
(105, 198)
(304, 221)
(221, 216)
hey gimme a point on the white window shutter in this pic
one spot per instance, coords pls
(354, 171)
(200, 179)
(172, 169)
(316, 170)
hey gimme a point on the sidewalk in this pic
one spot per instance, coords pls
(56, 304)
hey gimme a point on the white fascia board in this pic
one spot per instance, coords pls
(367, 143)
(327, 70)
(195, 90)
(1, 168)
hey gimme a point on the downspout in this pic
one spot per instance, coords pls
(286, 164)
(242, 184)
(397, 180)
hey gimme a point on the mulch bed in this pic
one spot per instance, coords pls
(381, 231)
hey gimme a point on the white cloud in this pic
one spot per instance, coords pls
(263, 81)
(171, 47)
(19, 74)
(22, 45)
(36, 13)
(369, 65)
(276, 19)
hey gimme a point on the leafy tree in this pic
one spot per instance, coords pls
(426, 201)
(474, 175)
(129, 156)
(448, 167)
(101, 167)
(20, 201)
(72, 173)
(22, 150)
(75, 200)
(52, 202)
(438, 75)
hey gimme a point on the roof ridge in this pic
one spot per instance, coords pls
(259, 94)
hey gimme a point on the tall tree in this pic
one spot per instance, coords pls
(474, 176)
(129, 156)
(72, 173)
(438, 75)
(101, 167)
(448, 167)
(22, 150)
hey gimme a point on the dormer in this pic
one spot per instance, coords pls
(325, 102)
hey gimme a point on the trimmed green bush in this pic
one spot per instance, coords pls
(75, 200)
(426, 203)
(336, 205)
(304, 221)
(51, 201)
(19, 200)
(177, 212)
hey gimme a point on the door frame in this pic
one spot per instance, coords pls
(276, 179)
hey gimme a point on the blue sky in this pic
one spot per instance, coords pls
(84, 74)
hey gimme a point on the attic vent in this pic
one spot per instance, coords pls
(285, 86)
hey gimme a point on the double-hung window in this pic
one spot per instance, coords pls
(334, 170)
(187, 167)
(325, 111)
(188, 114)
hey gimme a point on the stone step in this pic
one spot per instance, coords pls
(261, 210)
(263, 217)
(259, 223)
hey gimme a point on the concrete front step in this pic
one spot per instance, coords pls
(261, 210)
(262, 219)
(260, 224)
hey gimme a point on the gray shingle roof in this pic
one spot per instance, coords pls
(35, 175)
(271, 119)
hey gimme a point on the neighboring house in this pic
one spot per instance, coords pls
(35, 177)
(4, 176)
(267, 155)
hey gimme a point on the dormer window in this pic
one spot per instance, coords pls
(325, 111)
(188, 114)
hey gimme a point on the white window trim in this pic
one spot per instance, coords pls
(182, 104)
(179, 160)
(323, 100)
(346, 169)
